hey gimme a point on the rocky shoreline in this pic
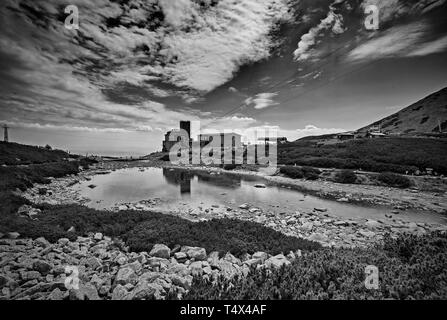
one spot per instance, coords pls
(99, 268)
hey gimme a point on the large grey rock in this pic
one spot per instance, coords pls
(42, 242)
(195, 253)
(180, 256)
(160, 251)
(277, 261)
(262, 256)
(13, 235)
(372, 224)
(86, 291)
(56, 294)
(147, 291)
(42, 266)
(184, 282)
(229, 257)
(98, 236)
(126, 275)
(318, 237)
(196, 268)
(120, 293)
(227, 269)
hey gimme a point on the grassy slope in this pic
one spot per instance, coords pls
(19, 154)
(381, 155)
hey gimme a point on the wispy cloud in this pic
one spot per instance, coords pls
(402, 41)
(262, 100)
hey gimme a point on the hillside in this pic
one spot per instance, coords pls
(423, 116)
(20, 154)
(395, 154)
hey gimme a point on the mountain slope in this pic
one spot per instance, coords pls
(423, 116)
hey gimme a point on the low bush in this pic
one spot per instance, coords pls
(346, 177)
(223, 235)
(308, 173)
(410, 267)
(311, 173)
(292, 172)
(141, 230)
(229, 167)
(394, 180)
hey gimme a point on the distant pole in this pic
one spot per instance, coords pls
(439, 125)
(5, 133)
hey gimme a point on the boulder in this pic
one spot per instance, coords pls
(120, 293)
(56, 294)
(252, 262)
(180, 256)
(93, 263)
(244, 206)
(42, 266)
(86, 291)
(277, 261)
(230, 258)
(42, 242)
(196, 268)
(372, 224)
(98, 236)
(184, 282)
(367, 234)
(13, 235)
(260, 186)
(196, 253)
(147, 291)
(160, 251)
(126, 275)
(318, 237)
(262, 256)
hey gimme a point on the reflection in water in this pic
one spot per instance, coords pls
(184, 177)
(179, 177)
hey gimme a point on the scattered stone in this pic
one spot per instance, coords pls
(244, 206)
(180, 256)
(86, 291)
(261, 256)
(277, 261)
(98, 236)
(42, 267)
(160, 251)
(13, 235)
(195, 253)
(92, 186)
(260, 186)
(42, 242)
(126, 275)
(318, 237)
(320, 209)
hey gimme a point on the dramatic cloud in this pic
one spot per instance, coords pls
(333, 21)
(114, 71)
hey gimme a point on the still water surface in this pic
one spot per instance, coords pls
(189, 190)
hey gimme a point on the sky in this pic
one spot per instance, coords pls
(135, 68)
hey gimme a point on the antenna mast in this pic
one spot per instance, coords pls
(5, 133)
